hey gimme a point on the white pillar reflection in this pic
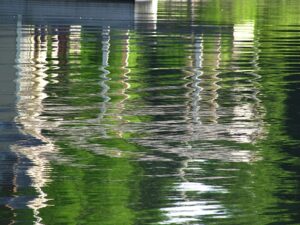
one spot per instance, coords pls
(31, 62)
(104, 73)
(243, 34)
(115, 110)
(74, 42)
(247, 125)
(125, 73)
(202, 113)
(198, 72)
(145, 13)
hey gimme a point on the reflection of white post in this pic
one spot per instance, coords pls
(145, 12)
(243, 35)
(126, 85)
(198, 71)
(105, 46)
(105, 72)
(125, 67)
(204, 94)
(215, 86)
(243, 39)
(191, 6)
(244, 128)
(31, 66)
(74, 42)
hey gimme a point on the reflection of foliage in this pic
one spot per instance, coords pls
(94, 189)
(227, 12)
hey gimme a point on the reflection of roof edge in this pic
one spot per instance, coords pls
(69, 12)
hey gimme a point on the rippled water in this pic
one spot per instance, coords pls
(153, 112)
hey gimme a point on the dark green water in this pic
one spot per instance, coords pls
(168, 112)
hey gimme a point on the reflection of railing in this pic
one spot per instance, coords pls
(105, 72)
(203, 124)
(109, 111)
(204, 108)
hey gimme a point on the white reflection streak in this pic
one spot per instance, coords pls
(196, 97)
(75, 45)
(105, 72)
(145, 11)
(186, 209)
(243, 128)
(125, 80)
(31, 60)
(215, 85)
(125, 66)
(209, 90)
(243, 34)
(120, 105)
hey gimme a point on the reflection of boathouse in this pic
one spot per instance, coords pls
(44, 43)
(221, 97)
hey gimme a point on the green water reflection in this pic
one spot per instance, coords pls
(188, 117)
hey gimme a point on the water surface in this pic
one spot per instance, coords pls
(154, 112)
